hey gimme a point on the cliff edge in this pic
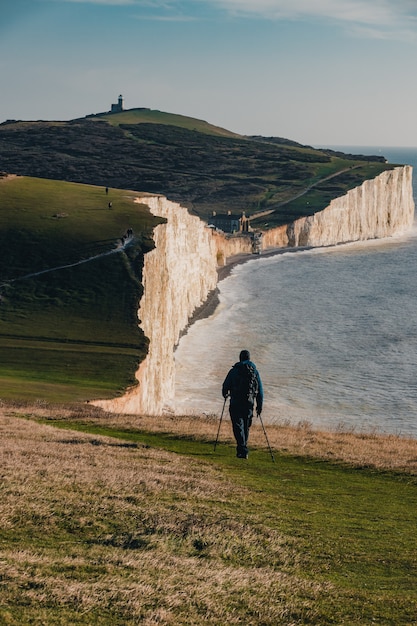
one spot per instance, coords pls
(182, 269)
(178, 275)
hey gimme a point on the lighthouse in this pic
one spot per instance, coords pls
(117, 108)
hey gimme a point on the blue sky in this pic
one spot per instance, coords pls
(321, 72)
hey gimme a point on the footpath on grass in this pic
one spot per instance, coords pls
(120, 247)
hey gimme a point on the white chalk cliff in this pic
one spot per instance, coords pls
(181, 271)
(178, 275)
(381, 207)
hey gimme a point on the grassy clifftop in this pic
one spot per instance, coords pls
(190, 161)
(69, 292)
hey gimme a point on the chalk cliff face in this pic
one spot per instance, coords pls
(178, 275)
(181, 271)
(380, 207)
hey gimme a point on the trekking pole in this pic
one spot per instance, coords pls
(266, 437)
(220, 423)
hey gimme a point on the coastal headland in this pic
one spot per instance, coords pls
(127, 515)
(56, 235)
(186, 260)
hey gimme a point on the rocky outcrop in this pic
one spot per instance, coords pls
(181, 271)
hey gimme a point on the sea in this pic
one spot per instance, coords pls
(333, 332)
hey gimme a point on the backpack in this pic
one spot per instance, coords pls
(246, 382)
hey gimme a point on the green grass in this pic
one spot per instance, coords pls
(311, 541)
(74, 326)
(151, 116)
(86, 224)
(334, 507)
(344, 177)
(200, 165)
(354, 527)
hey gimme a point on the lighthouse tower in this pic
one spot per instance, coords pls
(117, 108)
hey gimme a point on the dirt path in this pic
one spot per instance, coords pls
(120, 247)
(301, 193)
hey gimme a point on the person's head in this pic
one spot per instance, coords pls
(244, 355)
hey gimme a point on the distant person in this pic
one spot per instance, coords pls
(244, 386)
(110, 205)
(107, 190)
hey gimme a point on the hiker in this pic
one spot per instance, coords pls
(244, 386)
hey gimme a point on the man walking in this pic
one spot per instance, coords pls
(244, 386)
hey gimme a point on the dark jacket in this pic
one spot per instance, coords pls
(231, 386)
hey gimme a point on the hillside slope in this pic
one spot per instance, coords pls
(190, 161)
(69, 290)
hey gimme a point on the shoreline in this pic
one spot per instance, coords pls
(209, 306)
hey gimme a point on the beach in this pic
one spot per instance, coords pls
(209, 306)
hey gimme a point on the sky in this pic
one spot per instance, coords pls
(320, 72)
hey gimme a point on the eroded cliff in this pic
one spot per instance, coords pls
(178, 275)
(381, 207)
(181, 271)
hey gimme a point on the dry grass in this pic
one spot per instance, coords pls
(362, 449)
(98, 531)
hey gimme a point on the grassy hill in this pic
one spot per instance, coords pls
(123, 521)
(190, 161)
(69, 296)
(149, 116)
